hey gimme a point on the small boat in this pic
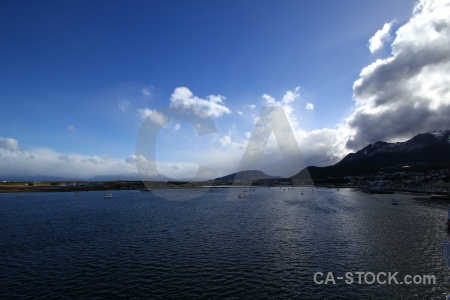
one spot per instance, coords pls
(78, 193)
(108, 196)
(395, 202)
(20, 195)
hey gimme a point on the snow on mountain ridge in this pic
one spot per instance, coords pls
(416, 143)
(439, 134)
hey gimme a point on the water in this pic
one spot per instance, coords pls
(136, 245)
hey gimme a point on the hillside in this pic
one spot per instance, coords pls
(423, 151)
(246, 175)
(433, 147)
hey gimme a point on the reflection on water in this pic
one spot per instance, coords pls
(268, 245)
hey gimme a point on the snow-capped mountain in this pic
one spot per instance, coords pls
(429, 147)
(424, 151)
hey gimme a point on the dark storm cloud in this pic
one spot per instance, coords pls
(407, 93)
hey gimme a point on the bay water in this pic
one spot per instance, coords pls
(276, 243)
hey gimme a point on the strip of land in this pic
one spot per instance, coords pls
(80, 186)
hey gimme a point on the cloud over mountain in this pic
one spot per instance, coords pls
(9, 144)
(395, 97)
(17, 162)
(408, 92)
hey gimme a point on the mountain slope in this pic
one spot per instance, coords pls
(423, 151)
(430, 147)
(246, 175)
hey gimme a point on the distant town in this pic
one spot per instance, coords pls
(420, 164)
(431, 181)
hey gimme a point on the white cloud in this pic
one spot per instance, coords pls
(9, 144)
(290, 96)
(212, 105)
(123, 105)
(177, 127)
(396, 98)
(407, 93)
(240, 113)
(309, 106)
(269, 99)
(43, 161)
(152, 115)
(377, 41)
(224, 160)
(71, 128)
(146, 92)
(318, 147)
(183, 170)
(225, 140)
(325, 146)
(287, 103)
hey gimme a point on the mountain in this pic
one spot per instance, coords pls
(426, 150)
(432, 147)
(247, 175)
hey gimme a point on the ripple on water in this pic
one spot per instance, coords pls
(55, 245)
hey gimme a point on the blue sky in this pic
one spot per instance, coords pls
(78, 76)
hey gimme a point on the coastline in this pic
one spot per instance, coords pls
(22, 187)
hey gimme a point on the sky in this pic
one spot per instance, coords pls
(79, 80)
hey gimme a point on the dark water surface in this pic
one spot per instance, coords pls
(136, 245)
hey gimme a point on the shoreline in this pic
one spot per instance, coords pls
(20, 188)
